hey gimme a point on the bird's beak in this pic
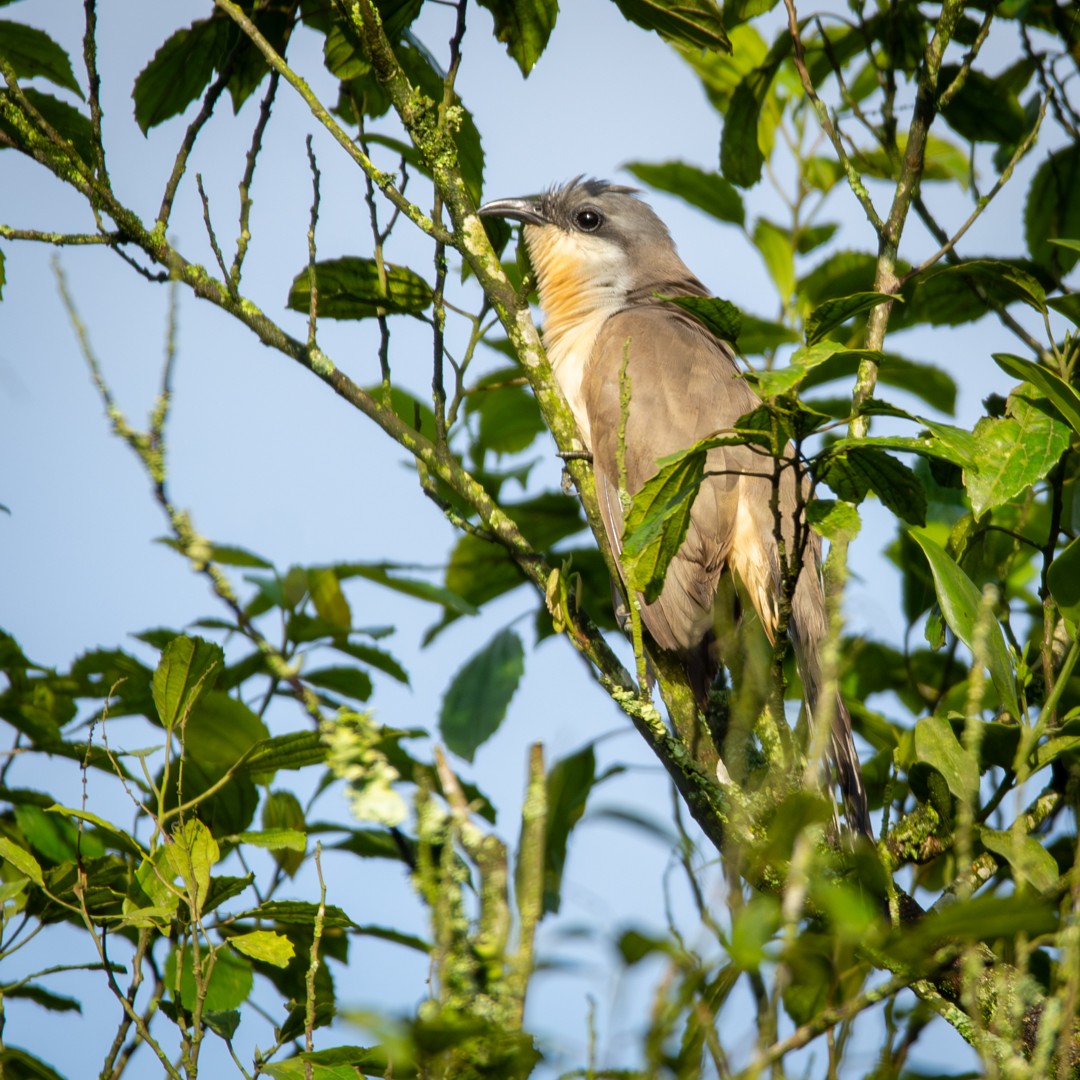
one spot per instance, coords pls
(526, 210)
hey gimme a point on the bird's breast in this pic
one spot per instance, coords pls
(581, 284)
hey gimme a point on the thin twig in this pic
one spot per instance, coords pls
(384, 181)
(94, 87)
(855, 182)
(210, 228)
(313, 284)
(983, 202)
(244, 238)
(188, 142)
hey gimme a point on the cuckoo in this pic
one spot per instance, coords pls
(603, 262)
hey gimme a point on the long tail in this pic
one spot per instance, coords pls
(807, 629)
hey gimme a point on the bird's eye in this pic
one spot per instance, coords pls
(588, 220)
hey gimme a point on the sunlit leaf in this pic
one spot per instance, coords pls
(228, 979)
(1030, 861)
(937, 745)
(265, 945)
(833, 519)
(1064, 397)
(960, 601)
(1014, 452)
(21, 859)
(188, 669)
(777, 250)
(657, 521)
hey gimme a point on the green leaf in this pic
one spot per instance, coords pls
(741, 158)
(708, 191)
(299, 913)
(125, 841)
(382, 574)
(224, 1023)
(1063, 578)
(265, 945)
(943, 161)
(296, 750)
(758, 336)
(983, 110)
(933, 385)
(509, 416)
(329, 600)
(833, 519)
(274, 839)
(1053, 210)
(751, 931)
(853, 471)
(568, 784)
(1014, 452)
(776, 249)
(31, 52)
(814, 236)
(657, 521)
(191, 854)
(1006, 281)
(937, 745)
(284, 830)
(1030, 861)
(960, 601)
(179, 71)
(376, 658)
(683, 22)
(45, 998)
(229, 979)
(477, 699)
(349, 681)
(221, 730)
(1067, 305)
(21, 859)
(1064, 397)
(23, 1066)
(720, 317)
(524, 27)
(188, 668)
(833, 313)
(350, 288)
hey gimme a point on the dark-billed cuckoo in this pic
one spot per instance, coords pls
(602, 258)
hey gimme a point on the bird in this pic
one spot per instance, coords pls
(604, 263)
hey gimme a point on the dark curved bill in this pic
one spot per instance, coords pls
(526, 210)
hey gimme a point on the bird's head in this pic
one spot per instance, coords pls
(592, 245)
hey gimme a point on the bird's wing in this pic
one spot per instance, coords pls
(684, 385)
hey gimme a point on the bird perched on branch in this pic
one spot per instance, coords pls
(602, 260)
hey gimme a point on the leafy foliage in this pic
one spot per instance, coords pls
(201, 873)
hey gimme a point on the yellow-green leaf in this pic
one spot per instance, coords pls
(265, 945)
